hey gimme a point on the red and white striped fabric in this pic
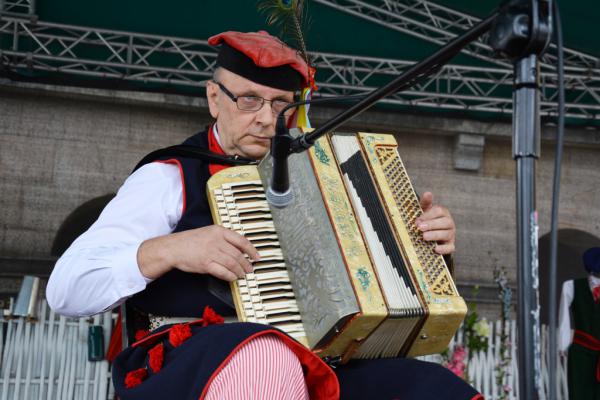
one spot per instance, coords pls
(264, 368)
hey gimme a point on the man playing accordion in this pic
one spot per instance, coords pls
(155, 245)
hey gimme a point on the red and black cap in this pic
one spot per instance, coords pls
(263, 59)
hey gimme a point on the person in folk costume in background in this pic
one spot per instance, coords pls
(580, 301)
(155, 245)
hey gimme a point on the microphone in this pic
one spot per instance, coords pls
(279, 194)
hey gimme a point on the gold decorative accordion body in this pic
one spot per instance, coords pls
(343, 268)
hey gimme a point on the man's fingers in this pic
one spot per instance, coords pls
(221, 272)
(238, 255)
(433, 213)
(246, 265)
(426, 201)
(242, 244)
(444, 249)
(231, 263)
(439, 236)
(443, 223)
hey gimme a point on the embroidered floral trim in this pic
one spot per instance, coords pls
(156, 357)
(179, 333)
(210, 317)
(135, 378)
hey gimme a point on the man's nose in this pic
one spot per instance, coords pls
(265, 115)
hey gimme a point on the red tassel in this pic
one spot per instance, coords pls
(179, 333)
(210, 317)
(135, 378)
(156, 357)
(311, 79)
(140, 333)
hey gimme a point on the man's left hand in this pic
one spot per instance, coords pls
(437, 225)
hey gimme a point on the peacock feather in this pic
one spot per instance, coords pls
(288, 15)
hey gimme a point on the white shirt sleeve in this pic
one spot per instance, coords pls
(99, 270)
(565, 335)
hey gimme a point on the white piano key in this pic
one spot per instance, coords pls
(266, 243)
(262, 236)
(241, 187)
(271, 275)
(291, 327)
(252, 228)
(299, 336)
(247, 206)
(266, 280)
(233, 196)
(270, 253)
(274, 320)
(248, 297)
(268, 290)
(291, 306)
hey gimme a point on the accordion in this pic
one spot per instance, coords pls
(343, 268)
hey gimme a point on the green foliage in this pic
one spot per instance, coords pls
(475, 329)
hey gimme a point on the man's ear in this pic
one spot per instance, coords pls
(212, 96)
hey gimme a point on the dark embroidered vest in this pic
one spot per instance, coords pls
(586, 312)
(177, 293)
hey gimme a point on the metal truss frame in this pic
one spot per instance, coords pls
(134, 57)
(103, 53)
(454, 87)
(18, 6)
(435, 23)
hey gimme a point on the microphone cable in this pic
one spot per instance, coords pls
(560, 133)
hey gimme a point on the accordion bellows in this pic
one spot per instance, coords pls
(343, 268)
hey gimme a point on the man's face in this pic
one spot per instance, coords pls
(243, 133)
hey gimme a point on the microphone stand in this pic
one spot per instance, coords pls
(522, 34)
(521, 31)
(407, 79)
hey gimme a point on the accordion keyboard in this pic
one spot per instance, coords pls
(266, 295)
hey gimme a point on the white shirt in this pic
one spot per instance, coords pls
(99, 270)
(565, 333)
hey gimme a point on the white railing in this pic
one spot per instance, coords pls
(482, 370)
(46, 359)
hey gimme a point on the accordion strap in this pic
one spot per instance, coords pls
(194, 152)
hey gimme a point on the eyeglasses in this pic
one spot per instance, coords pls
(254, 103)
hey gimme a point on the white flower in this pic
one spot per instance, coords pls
(482, 328)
